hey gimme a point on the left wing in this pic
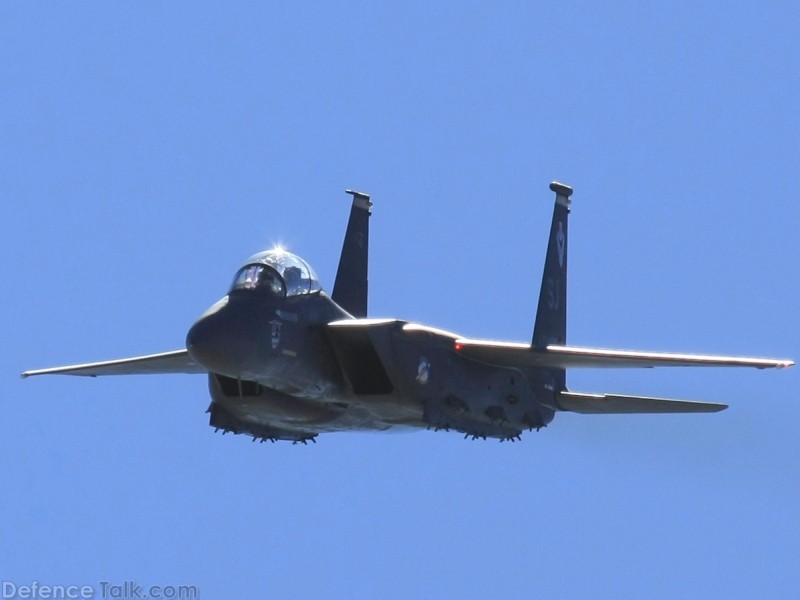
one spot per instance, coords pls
(177, 361)
(573, 357)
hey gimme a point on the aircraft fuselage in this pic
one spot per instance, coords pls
(275, 375)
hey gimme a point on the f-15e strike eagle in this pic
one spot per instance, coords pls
(287, 361)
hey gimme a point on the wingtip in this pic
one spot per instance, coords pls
(778, 364)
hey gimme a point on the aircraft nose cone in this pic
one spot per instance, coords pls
(219, 341)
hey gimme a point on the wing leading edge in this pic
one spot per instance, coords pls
(576, 357)
(176, 361)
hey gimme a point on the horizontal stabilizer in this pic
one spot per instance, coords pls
(590, 404)
(574, 357)
(177, 361)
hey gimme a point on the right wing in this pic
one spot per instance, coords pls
(177, 361)
(565, 357)
(575, 357)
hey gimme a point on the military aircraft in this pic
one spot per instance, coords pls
(287, 361)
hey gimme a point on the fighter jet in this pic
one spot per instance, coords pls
(287, 361)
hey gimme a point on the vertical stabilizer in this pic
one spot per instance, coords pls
(350, 287)
(551, 315)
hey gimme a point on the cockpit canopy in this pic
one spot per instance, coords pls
(279, 272)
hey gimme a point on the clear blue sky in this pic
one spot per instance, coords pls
(149, 148)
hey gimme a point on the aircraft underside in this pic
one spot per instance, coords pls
(246, 407)
(403, 376)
